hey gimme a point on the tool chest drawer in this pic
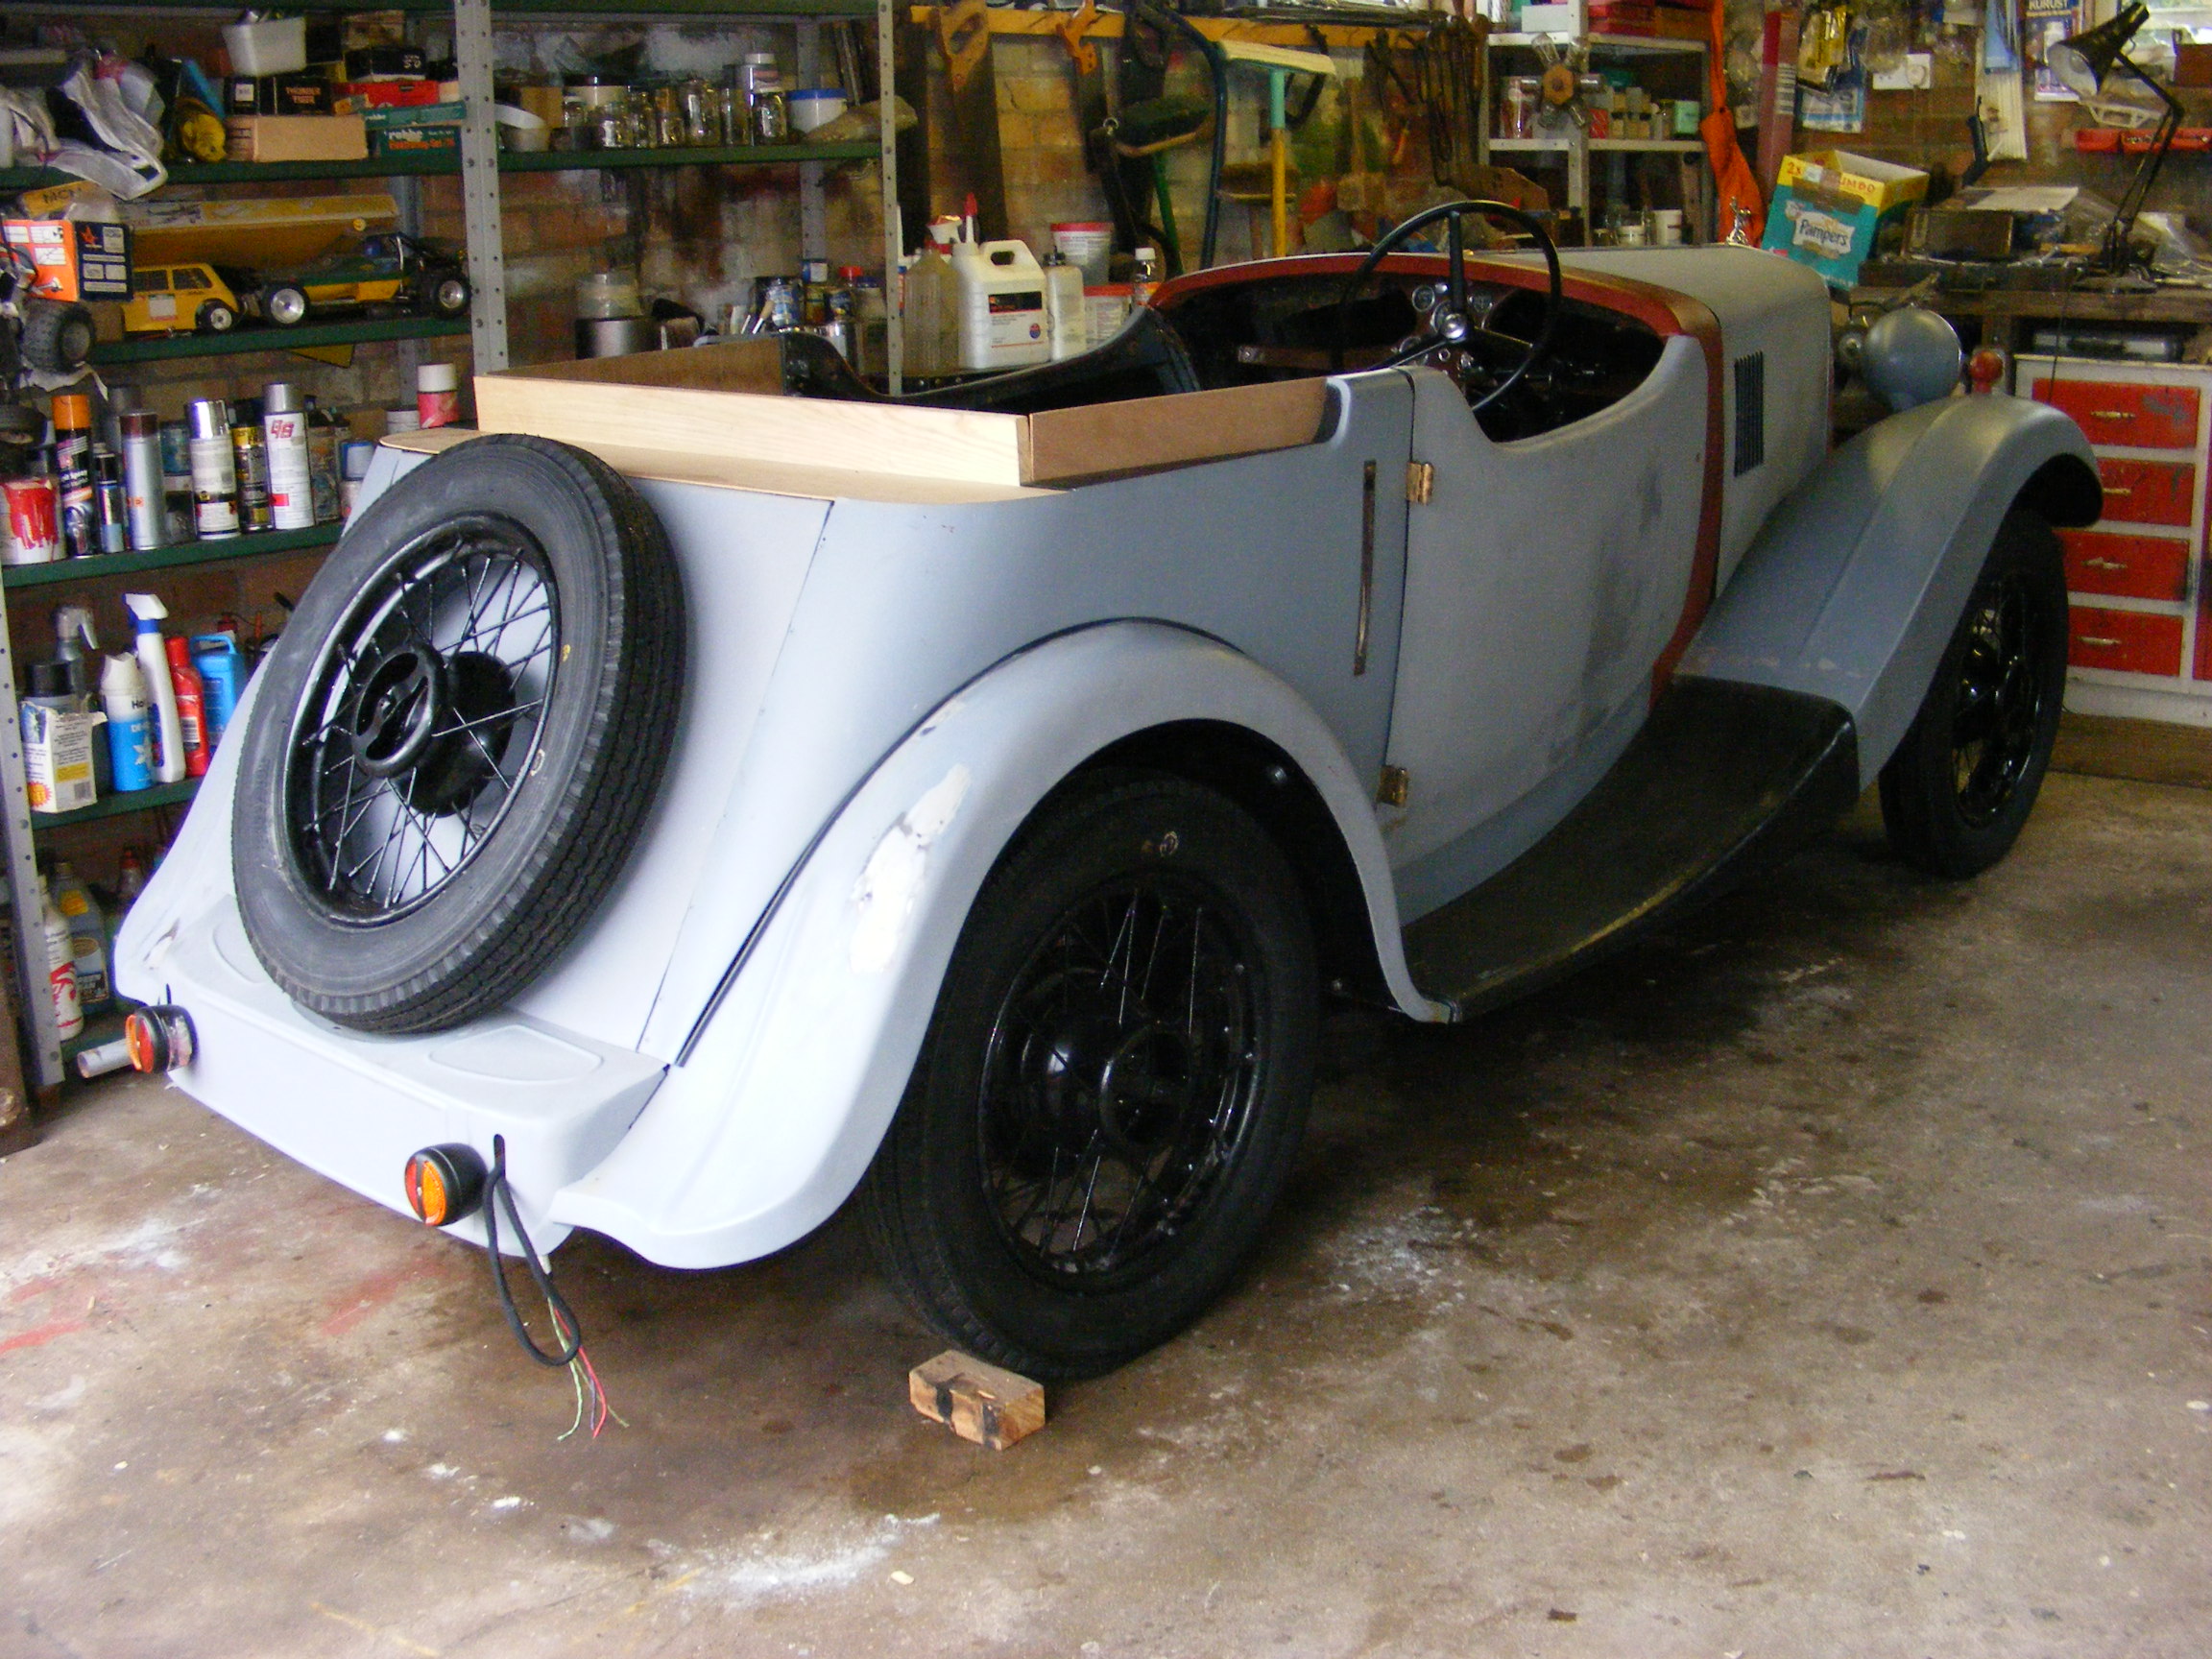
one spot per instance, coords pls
(2132, 641)
(2148, 492)
(2137, 567)
(2129, 412)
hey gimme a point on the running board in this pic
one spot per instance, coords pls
(1722, 777)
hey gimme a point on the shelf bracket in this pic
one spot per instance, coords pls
(480, 186)
(894, 233)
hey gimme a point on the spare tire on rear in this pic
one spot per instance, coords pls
(458, 736)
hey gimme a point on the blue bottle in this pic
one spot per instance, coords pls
(223, 672)
(130, 723)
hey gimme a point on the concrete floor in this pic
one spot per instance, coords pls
(1832, 1276)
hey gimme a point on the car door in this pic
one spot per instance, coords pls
(1544, 578)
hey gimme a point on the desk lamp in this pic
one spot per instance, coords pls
(2083, 62)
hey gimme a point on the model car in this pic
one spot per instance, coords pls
(391, 268)
(719, 791)
(191, 298)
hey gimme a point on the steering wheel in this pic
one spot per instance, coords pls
(1450, 324)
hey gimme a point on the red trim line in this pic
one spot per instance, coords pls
(1663, 310)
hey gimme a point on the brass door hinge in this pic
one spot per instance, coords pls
(1420, 482)
(1396, 784)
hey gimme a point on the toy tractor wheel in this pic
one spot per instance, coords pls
(22, 426)
(286, 306)
(445, 294)
(57, 337)
(214, 317)
(1114, 1084)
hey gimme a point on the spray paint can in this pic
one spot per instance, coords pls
(249, 462)
(438, 393)
(145, 510)
(291, 484)
(324, 432)
(214, 470)
(113, 509)
(73, 474)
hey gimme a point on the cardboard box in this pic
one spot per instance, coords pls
(252, 230)
(58, 758)
(297, 138)
(364, 95)
(75, 259)
(1882, 185)
(1830, 207)
(417, 140)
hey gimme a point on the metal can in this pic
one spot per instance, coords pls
(177, 512)
(111, 511)
(214, 470)
(146, 522)
(250, 452)
(784, 303)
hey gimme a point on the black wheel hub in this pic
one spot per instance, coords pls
(1998, 715)
(1118, 1078)
(424, 716)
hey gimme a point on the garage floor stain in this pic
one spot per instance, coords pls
(1832, 1275)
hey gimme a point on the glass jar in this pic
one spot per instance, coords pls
(669, 131)
(736, 128)
(702, 114)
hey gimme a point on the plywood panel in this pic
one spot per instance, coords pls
(1105, 440)
(943, 444)
(755, 364)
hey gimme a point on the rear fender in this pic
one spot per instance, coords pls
(1853, 588)
(777, 1104)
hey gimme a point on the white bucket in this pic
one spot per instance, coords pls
(1088, 243)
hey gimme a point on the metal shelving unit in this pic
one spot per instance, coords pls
(1577, 146)
(479, 164)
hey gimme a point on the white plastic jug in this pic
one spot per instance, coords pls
(1003, 319)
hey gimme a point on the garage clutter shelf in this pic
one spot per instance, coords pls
(480, 166)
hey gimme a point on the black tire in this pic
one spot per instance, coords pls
(1029, 1057)
(358, 726)
(20, 426)
(285, 305)
(443, 292)
(57, 337)
(1958, 791)
(214, 317)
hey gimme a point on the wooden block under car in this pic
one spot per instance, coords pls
(975, 1400)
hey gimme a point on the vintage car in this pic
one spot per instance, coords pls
(719, 790)
(193, 297)
(390, 270)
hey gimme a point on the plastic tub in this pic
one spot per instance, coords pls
(814, 107)
(275, 47)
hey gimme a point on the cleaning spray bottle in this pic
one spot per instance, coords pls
(88, 935)
(73, 637)
(130, 723)
(147, 612)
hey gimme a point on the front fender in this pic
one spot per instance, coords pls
(1852, 589)
(776, 1105)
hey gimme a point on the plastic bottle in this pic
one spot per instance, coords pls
(222, 677)
(1063, 307)
(1001, 305)
(284, 434)
(61, 969)
(932, 309)
(129, 883)
(214, 471)
(191, 708)
(147, 612)
(1144, 277)
(88, 935)
(73, 474)
(73, 637)
(249, 461)
(324, 430)
(130, 723)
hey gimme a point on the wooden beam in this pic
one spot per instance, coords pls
(978, 1400)
(1108, 27)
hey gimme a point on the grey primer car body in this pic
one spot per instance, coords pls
(890, 672)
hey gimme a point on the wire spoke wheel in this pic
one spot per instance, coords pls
(1119, 1082)
(423, 714)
